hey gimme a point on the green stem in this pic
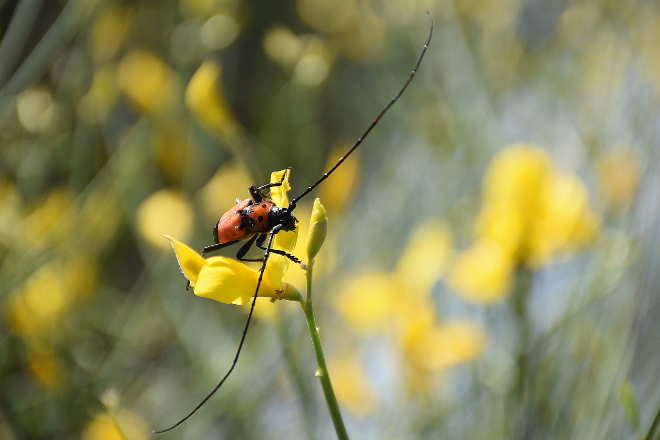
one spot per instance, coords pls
(297, 376)
(322, 372)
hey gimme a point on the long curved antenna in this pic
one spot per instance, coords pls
(240, 345)
(292, 204)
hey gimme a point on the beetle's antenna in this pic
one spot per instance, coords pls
(240, 345)
(292, 204)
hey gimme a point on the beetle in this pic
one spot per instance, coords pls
(256, 219)
(252, 219)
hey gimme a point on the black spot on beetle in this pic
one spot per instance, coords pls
(263, 206)
(261, 218)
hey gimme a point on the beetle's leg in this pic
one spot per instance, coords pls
(216, 247)
(257, 192)
(260, 245)
(246, 247)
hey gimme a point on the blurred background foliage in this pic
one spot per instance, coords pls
(491, 269)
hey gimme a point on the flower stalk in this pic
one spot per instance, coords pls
(317, 232)
(322, 372)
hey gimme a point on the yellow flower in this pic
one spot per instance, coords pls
(231, 282)
(116, 424)
(163, 211)
(445, 345)
(352, 387)
(45, 368)
(108, 32)
(516, 174)
(147, 81)
(426, 256)
(369, 301)
(532, 212)
(205, 98)
(37, 309)
(483, 272)
(564, 218)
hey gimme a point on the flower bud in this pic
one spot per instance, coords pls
(318, 230)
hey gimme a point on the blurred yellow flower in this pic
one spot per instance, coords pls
(36, 309)
(45, 368)
(351, 385)
(378, 301)
(118, 424)
(426, 256)
(368, 302)
(563, 221)
(205, 98)
(482, 272)
(147, 81)
(103, 427)
(232, 178)
(504, 223)
(515, 176)
(165, 211)
(108, 32)
(446, 345)
(530, 214)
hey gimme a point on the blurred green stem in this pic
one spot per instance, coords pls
(525, 414)
(654, 427)
(62, 31)
(322, 372)
(18, 31)
(297, 376)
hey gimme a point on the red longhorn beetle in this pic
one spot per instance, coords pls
(257, 218)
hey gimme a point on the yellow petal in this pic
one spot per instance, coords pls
(230, 282)
(165, 211)
(285, 240)
(146, 80)
(482, 273)
(279, 193)
(426, 256)
(516, 174)
(369, 301)
(447, 345)
(206, 100)
(190, 262)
